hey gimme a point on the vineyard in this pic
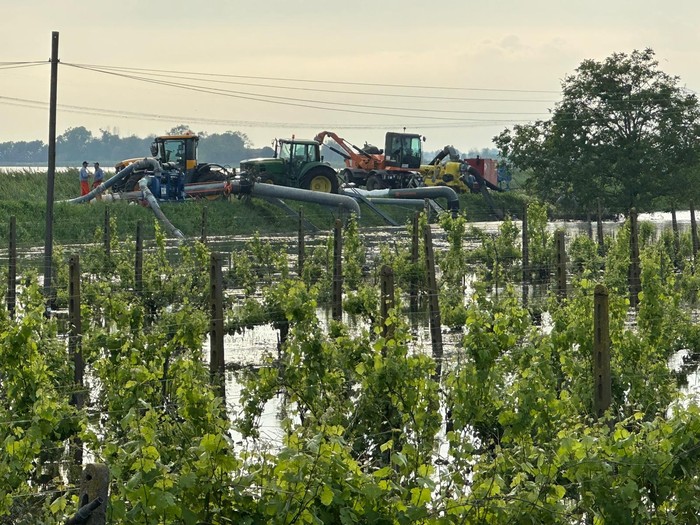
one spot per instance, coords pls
(504, 426)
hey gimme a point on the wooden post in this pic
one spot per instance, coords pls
(337, 307)
(601, 237)
(589, 225)
(694, 230)
(387, 301)
(12, 269)
(75, 350)
(301, 255)
(526, 248)
(138, 260)
(203, 237)
(525, 259)
(93, 496)
(561, 264)
(216, 325)
(635, 284)
(676, 235)
(107, 232)
(415, 246)
(434, 302)
(602, 398)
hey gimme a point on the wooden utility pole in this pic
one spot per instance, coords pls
(48, 235)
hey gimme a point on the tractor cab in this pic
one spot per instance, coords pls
(403, 150)
(180, 151)
(297, 154)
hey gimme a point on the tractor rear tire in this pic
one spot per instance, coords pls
(374, 183)
(320, 180)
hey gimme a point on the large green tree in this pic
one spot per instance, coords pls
(624, 133)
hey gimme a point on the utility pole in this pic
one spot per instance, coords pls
(48, 236)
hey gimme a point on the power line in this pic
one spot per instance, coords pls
(183, 76)
(314, 81)
(306, 103)
(37, 104)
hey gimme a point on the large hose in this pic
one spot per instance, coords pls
(283, 192)
(146, 163)
(424, 192)
(153, 203)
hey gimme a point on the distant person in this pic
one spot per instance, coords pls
(84, 179)
(98, 176)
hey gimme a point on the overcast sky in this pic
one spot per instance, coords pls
(456, 71)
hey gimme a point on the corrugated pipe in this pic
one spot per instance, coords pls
(153, 203)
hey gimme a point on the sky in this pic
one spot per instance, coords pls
(456, 71)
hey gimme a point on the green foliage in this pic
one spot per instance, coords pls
(624, 135)
(362, 408)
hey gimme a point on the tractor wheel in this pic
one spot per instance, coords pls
(374, 183)
(320, 180)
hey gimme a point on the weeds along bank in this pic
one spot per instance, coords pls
(366, 438)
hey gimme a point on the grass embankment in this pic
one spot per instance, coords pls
(23, 194)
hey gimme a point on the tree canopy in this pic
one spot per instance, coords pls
(624, 133)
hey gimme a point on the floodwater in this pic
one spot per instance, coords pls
(248, 349)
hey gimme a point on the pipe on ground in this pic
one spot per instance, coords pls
(153, 203)
(424, 192)
(260, 189)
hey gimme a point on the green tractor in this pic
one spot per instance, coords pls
(297, 163)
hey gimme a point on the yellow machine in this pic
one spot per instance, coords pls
(462, 175)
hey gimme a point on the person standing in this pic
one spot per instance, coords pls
(84, 179)
(98, 176)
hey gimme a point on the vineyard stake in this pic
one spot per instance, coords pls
(12, 268)
(602, 398)
(415, 245)
(107, 235)
(635, 284)
(434, 302)
(74, 348)
(337, 307)
(561, 264)
(216, 325)
(138, 259)
(388, 301)
(301, 248)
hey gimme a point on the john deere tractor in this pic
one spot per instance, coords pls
(297, 163)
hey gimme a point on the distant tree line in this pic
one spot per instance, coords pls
(78, 144)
